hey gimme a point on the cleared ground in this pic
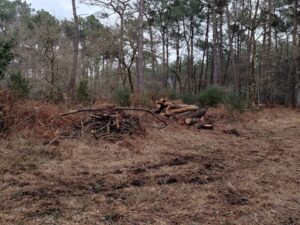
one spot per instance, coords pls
(172, 175)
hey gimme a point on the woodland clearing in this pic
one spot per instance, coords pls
(167, 175)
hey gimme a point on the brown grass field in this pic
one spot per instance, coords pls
(171, 175)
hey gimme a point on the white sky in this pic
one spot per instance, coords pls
(62, 8)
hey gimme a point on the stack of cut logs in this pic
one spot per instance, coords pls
(189, 115)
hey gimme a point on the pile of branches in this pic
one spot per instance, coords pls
(108, 123)
(190, 115)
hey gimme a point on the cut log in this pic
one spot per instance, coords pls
(184, 115)
(208, 127)
(160, 109)
(200, 125)
(164, 101)
(191, 114)
(198, 114)
(192, 121)
(182, 110)
(204, 126)
(171, 105)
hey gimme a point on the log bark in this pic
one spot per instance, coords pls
(204, 126)
(182, 110)
(200, 125)
(171, 106)
(192, 121)
(198, 114)
(160, 109)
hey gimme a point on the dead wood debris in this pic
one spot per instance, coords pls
(105, 123)
(189, 115)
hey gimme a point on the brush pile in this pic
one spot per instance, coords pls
(189, 115)
(108, 124)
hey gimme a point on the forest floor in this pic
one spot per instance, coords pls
(172, 175)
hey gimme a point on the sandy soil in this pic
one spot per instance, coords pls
(172, 175)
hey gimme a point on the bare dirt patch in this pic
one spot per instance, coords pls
(173, 175)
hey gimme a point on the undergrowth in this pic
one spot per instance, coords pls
(237, 101)
(211, 96)
(82, 91)
(121, 96)
(19, 85)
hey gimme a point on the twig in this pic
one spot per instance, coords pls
(91, 125)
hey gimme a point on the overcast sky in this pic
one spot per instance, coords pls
(62, 8)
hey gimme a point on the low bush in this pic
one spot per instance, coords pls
(19, 85)
(237, 101)
(6, 56)
(82, 91)
(211, 96)
(122, 96)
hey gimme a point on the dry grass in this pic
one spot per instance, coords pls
(172, 175)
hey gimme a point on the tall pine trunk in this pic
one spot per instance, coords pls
(72, 82)
(140, 58)
(216, 52)
(296, 70)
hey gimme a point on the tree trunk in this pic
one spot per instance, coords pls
(221, 78)
(167, 58)
(121, 49)
(252, 56)
(177, 71)
(165, 75)
(216, 53)
(140, 58)
(153, 55)
(205, 52)
(192, 72)
(269, 49)
(75, 52)
(296, 70)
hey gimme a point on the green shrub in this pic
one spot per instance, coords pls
(5, 56)
(237, 101)
(211, 96)
(19, 85)
(122, 97)
(82, 91)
